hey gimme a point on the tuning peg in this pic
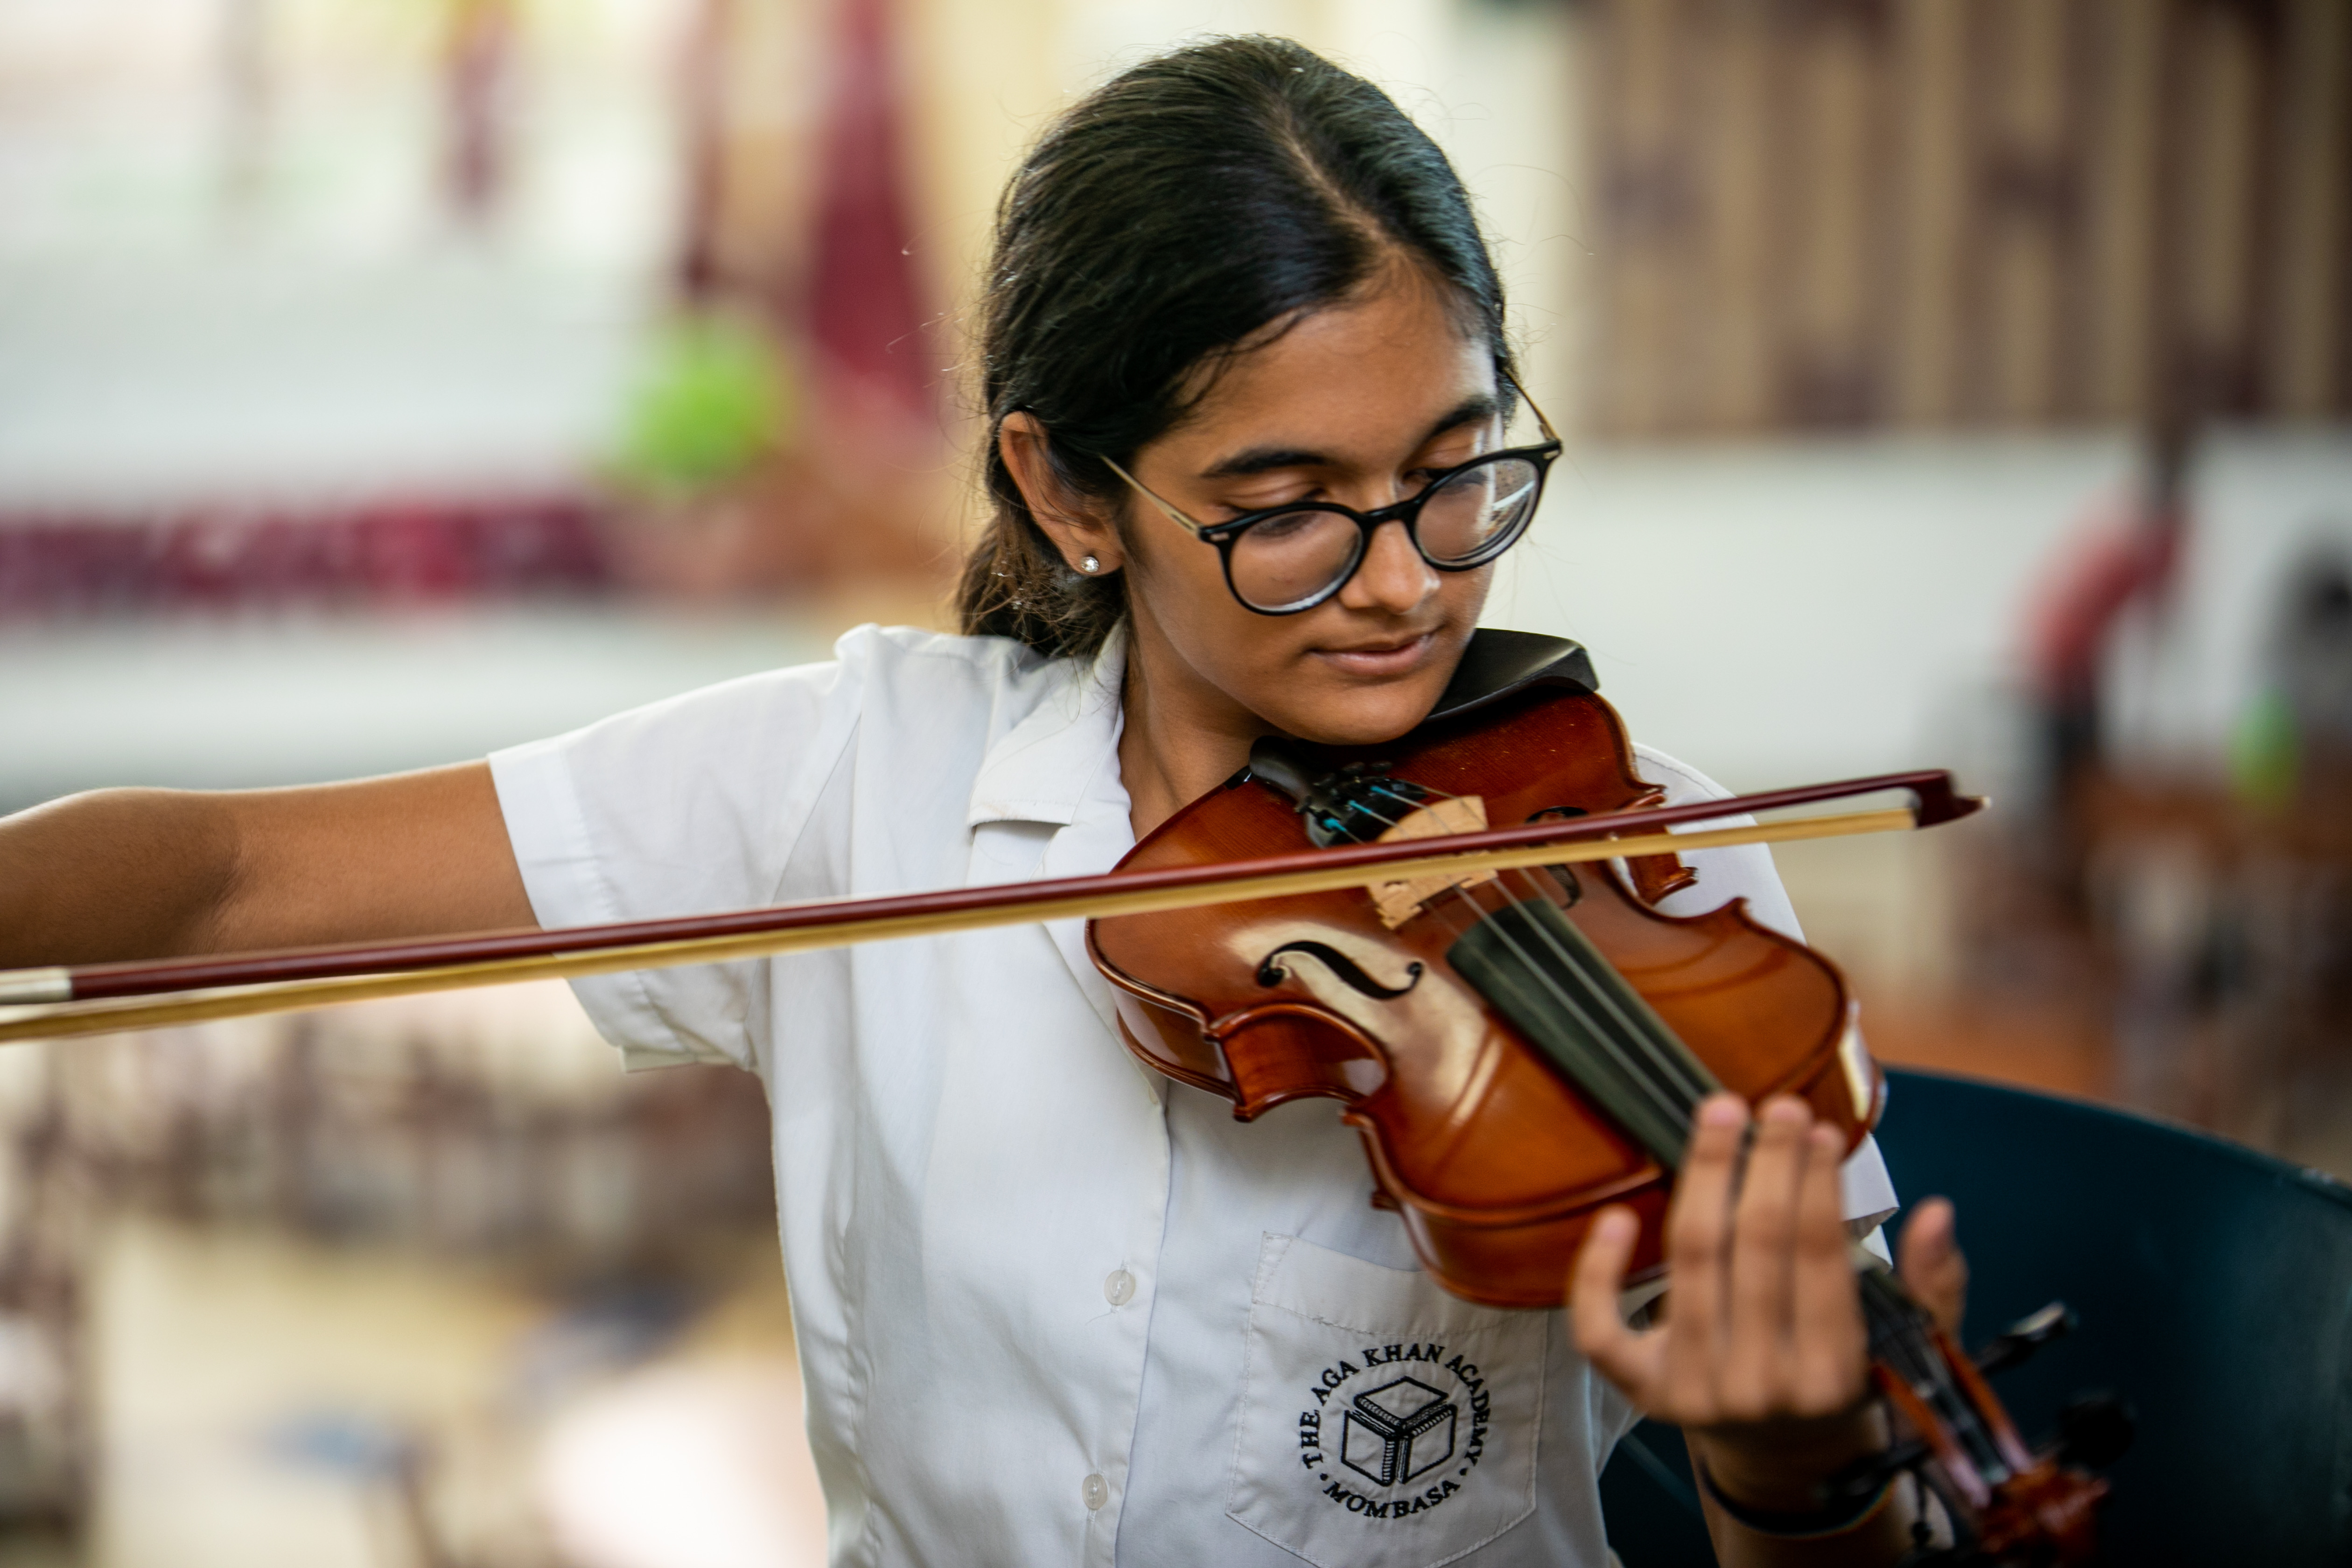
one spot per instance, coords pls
(2095, 1430)
(2017, 1343)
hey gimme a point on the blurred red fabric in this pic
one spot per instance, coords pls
(864, 304)
(388, 552)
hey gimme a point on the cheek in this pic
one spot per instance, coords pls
(1464, 594)
(1182, 583)
(1180, 589)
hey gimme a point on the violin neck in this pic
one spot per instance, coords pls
(1543, 974)
(1903, 1342)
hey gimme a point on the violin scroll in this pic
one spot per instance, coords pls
(2009, 1506)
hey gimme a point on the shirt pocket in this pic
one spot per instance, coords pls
(1383, 1424)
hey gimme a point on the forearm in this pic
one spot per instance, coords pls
(1785, 1483)
(124, 873)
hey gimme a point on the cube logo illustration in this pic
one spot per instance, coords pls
(1397, 1432)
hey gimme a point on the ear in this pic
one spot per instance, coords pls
(1074, 523)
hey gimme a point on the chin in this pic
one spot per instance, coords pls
(1356, 715)
(1340, 710)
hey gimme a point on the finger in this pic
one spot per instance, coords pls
(1933, 1267)
(1829, 1344)
(1628, 1359)
(1698, 1227)
(1754, 1375)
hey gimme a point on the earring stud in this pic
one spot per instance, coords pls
(1088, 564)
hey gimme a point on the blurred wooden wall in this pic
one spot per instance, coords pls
(1940, 212)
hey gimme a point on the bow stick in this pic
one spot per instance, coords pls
(101, 998)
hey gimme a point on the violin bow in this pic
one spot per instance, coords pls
(104, 998)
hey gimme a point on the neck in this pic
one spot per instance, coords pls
(1182, 735)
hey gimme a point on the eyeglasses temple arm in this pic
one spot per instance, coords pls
(1178, 518)
(1551, 435)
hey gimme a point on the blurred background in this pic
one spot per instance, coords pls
(1958, 382)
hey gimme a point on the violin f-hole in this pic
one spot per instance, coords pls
(1271, 970)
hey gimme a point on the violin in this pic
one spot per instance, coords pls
(1520, 1048)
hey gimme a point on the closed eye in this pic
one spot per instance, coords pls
(1282, 525)
(1234, 508)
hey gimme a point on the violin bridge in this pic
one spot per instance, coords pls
(1399, 901)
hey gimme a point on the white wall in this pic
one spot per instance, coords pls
(203, 702)
(1777, 614)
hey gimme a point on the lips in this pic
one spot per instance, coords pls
(1391, 657)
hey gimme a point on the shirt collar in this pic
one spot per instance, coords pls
(1043, 768)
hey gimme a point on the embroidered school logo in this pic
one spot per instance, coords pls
(1386, 1443)
(1398, 1432)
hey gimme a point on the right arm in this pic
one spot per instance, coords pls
(151, 873)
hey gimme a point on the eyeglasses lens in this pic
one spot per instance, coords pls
(1294, 556)
(1471, 513)
(1290, 558)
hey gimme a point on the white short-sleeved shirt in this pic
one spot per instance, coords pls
(1052, 1308)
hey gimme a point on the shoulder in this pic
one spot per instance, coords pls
(1743, 872)
(1683, 783)
(946, 654)
(886, 677)
(903, 662)
(895, 668)
(750, 757)
(946, 699)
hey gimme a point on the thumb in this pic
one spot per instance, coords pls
(1932, 1267)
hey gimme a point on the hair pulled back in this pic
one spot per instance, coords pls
(1164, 221)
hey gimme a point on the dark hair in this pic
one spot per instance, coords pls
(1166, 220)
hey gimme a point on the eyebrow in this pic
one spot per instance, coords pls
(1265, 459)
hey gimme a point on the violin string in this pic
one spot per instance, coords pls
(1642, 1061)
(1676, 1083)
(1527, 884)
(1677, 1086)
(1608, 1030)
(1904, 1344)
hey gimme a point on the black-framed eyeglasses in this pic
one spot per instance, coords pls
(1282, 560)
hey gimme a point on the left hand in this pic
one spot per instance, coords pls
(1761, 1358)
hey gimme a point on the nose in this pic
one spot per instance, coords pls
(1392, 578)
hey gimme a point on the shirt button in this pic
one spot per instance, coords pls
(1120, 1288)
(1096, 1491)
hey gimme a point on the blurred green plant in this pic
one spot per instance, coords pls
(713, 403)
(2266, 753)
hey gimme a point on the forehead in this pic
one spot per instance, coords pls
(1359, 378)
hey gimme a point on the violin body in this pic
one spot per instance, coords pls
(1496, 1164)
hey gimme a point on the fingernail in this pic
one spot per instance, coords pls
(1615, 1224)
(1722, 1111)
(1828, 1139)
(1785, 1109)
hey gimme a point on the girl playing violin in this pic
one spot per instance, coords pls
(1255, 447)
